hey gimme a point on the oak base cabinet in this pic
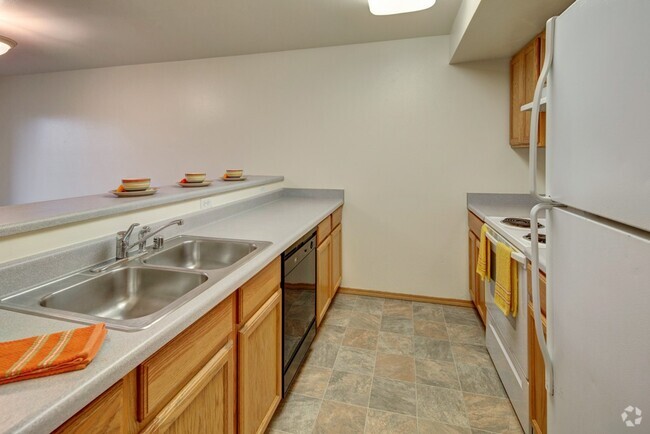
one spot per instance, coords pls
(328, 262)
(260, 366)
(205, 404)
(476, 286)
(104, 415)
(536, 367)
(337, 252)
(323, 278)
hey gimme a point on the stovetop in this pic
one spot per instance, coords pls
(518, 229)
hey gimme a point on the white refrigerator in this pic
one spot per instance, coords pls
(596, 83)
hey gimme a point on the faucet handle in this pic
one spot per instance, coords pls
(158, 243)
(127, 233)
(143, 232)
(142, 238)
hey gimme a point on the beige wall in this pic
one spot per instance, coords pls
(403, 132)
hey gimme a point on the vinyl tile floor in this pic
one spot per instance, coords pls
(391, 366)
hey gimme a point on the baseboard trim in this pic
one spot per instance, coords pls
(409, 297)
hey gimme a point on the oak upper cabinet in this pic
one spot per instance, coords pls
(206, 402)
(525, 68)
(323, 278)
(476, 288)
(260, 361)
(536, 368)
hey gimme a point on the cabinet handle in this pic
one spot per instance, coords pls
(534, 118)
(537, 306)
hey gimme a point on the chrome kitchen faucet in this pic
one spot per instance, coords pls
(123, 245)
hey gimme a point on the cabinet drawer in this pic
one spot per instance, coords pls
(163, 375)
(324, 229)
(474, 223)
(103, 415)
(254, 293)
(337, 216)
(542, 288)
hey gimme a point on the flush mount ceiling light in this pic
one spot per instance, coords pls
(392, 7)
(6, 44)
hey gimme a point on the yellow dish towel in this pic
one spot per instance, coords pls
(483, 261)
(506, 291)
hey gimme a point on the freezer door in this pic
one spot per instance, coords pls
(598, 325)
(598, 110)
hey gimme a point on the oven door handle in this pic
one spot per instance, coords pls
(514, 255)
(537, 307)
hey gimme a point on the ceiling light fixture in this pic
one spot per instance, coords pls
(6, 44)
(392, 7)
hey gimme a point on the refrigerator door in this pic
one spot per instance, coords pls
(598, 110)
(598, 325)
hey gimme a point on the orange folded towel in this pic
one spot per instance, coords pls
(40, 356)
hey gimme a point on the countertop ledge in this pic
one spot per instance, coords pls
(17, 219)
(41, 405)
(498, 204)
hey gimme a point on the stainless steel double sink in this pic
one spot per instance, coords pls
(133, 295)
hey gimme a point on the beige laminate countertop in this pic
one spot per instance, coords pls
(41, 405)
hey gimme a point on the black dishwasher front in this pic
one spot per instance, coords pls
(298, 304)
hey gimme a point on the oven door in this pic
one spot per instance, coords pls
(513, 330)
(506, 338)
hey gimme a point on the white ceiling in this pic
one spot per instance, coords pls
(500, 28)
(56, 35)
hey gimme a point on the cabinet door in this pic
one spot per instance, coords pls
(537, 376)
(479, 285)
(260, 366)
(471, 241)
(324, 278)
(162, 375)
(206, 403)
(517, 99)
(337, 251)
(103, 415)
(524, 72)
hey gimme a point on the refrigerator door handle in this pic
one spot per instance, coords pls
(537, 309)
(534, 118)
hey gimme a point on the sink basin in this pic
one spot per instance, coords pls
(141, 290)
(129, 298)
(125, 293)
(202, 253)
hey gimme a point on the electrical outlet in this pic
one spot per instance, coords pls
(206, 203)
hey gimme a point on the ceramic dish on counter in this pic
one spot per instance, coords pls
(234, 173)
(194, 184)
(195, 177)
(148, 192)
(136, 184)
(229, 178)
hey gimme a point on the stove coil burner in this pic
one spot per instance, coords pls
(540, 237)
(519, 222)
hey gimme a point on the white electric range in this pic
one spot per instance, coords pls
(507, 336)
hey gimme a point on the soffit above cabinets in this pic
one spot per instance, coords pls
(57, 35)
(492, 29)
